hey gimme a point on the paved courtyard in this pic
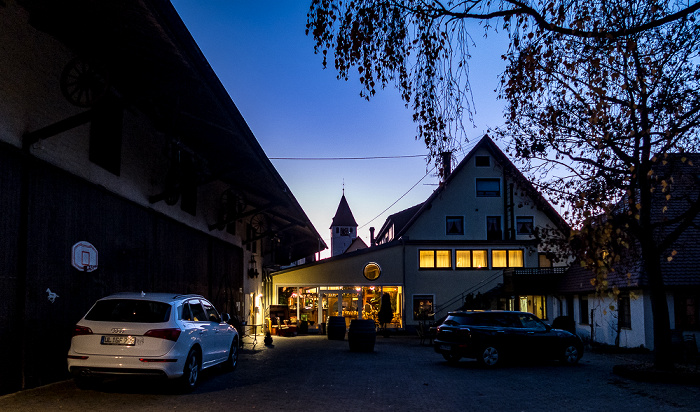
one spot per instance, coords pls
(309, 373)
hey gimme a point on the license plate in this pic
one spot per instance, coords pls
(446, 347)
(118, 340)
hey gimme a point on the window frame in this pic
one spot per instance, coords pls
(624, 315)
(480, 159)
(487, 193)
(507, 257)
(471, 259)
(435, 259)
(517, 225)
(459, 220)
(427, 297)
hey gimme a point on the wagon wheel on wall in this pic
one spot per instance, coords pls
(259, 223)
(83, 83)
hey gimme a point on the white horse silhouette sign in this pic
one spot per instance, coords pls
(84, 256)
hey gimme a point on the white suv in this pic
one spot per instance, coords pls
(151, 334)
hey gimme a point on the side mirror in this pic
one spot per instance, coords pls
(225, 317)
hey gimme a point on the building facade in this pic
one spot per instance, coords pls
(466, 243)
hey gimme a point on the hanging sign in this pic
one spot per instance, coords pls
(84, 256)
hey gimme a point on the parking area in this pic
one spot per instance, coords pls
(305, 373)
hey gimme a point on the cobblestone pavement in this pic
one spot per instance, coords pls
(310, 373)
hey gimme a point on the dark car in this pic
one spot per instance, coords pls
(492, 336)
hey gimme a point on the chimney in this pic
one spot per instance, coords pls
(371, 237)
(446, 164)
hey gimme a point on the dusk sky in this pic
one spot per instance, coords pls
(296, 109)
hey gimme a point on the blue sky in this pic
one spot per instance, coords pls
(297, 109)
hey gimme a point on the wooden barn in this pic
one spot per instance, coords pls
(124, 166)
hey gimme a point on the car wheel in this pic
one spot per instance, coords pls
(571, 355)
(190, 374)
(451, 357)
(489, 356)
(232, 360)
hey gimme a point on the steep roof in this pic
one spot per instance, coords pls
(398, 220)
(683, 268)
(356, 244)
(343, 216)
(510, 169)
(156, 66)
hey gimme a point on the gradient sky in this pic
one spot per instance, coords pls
(297, 109)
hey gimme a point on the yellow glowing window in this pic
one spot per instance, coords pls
(499, 258)
(427, 259)
(515, 258)
(479, 259)
(507, 258)
(441, 259)
(464, 258)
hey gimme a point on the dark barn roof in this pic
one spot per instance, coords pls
(155, 65)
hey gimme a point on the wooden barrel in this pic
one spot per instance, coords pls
(362, 335)
(336, 328)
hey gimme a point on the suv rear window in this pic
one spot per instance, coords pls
(483, 319)
(126, 310)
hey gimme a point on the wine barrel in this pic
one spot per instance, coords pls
(362, 335)
(336, 328)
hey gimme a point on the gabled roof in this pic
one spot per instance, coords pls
(683, 268)
(343, 216)
(356, 244)
(510, 169)
(398, 220)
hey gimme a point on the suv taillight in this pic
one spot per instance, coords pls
(169, 334)
(81, 330)
(464, 331)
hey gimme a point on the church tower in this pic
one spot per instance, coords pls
(343, 228)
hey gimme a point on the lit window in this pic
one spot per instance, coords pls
(479, 259)
(427, 259)
(488, 187)
(464, 258)
(499, 259)
(441, 259)
(515, 259)
(507, 258)
(475, 259)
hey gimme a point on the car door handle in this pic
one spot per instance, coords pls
(531, 333)
(202, 332)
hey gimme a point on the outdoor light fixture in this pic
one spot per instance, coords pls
(252, 270)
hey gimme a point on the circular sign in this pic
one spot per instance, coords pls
(84, 256)
(372, 271)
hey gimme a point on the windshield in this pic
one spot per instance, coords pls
(126, 310)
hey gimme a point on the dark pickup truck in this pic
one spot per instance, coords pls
(492, 336)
